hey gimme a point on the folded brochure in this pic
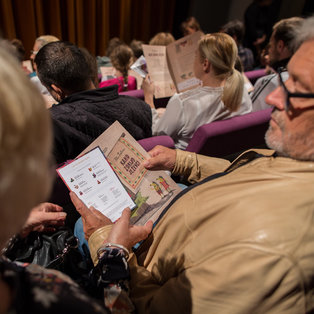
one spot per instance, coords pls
(151, 191)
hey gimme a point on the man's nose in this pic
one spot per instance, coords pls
(276, 98)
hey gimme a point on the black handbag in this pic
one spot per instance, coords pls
(57, 250)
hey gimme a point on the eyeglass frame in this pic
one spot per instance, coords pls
(33, 52)
(288, 93)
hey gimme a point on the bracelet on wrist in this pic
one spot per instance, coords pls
(113, 245)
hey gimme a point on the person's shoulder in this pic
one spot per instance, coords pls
(195, 93)
(130, 101)
(265, 79)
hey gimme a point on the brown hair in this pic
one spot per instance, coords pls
(190, 22)
(285, 30)
(121, 58)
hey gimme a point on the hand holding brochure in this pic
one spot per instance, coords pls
(151, 191)
(95, 183)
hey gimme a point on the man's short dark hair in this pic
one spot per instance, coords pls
(285, 30)
(63, 64)
(234, 28)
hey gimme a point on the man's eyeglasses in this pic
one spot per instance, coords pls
(289, 94)
(33, 52)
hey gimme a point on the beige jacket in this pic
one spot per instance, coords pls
(241, 243)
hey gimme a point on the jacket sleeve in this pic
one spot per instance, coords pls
(238, 279)
(194, 167)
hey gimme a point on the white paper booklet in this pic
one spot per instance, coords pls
(92, 179)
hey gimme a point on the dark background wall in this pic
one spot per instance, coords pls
(91, 23)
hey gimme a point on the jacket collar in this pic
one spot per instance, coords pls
(105, 93)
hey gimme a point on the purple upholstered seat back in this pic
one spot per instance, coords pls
(150, 142)
(138, 93)
(227, 137)
(254, 75)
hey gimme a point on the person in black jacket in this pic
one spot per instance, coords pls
(84, 112)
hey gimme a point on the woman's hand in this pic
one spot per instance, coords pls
(44, 217)
(128, 235)
(92, 218)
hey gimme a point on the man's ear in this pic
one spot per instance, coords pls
(59, 91)
(280, 45)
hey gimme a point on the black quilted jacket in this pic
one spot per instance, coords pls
(82, 117)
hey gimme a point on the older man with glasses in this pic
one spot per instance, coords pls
(241, 240)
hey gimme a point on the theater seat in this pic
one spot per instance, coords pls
(228, 138)
(150, 142)
(254, 75)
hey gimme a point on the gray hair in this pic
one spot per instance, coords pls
(285, 30)
(304, 32)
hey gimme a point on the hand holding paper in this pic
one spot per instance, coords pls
(91, 217)
(128, 235)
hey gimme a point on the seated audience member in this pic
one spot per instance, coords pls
(122, 58)
(280, 51)
(84, 112)
(105, 60)
(190, 26)
(38, 44)
(136, 46)
(242, 239)
(235, 29)
(259, 17)
(162, 39)
(25, 148)
(221, 96)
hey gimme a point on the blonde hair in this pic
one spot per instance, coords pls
(46, 39)
(162, 39)
(122, 58)
(221, 51)
(25, 146)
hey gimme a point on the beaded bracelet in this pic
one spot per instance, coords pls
(113, 245)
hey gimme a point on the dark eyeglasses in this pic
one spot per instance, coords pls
(289, 94)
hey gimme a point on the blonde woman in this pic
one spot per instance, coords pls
(25, 180)
(162, 39)
(221, 95)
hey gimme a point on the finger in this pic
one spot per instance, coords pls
(124, 220)
(50, 207)
(55, 223)
(79, 205)
(50, 217)
(155, 151)
(139, 233)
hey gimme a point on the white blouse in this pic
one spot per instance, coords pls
(189, 110)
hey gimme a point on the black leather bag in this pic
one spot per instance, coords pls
(58, 250)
